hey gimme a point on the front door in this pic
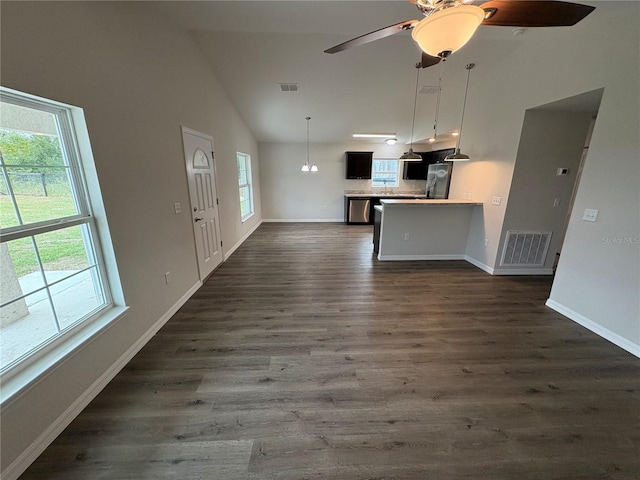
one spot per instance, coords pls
(201, 173)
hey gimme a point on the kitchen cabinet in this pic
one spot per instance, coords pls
(358, 165)
(417, 170)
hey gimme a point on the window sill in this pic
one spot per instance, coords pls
(247, 217)
(17, 380)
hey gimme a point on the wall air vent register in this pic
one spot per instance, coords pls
(525, 248)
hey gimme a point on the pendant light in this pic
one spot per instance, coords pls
(435, 120)
(307, 167)
(410, 156)
(457, 156)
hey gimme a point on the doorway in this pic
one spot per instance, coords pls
(201, 176)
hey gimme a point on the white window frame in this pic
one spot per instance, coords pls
(246, 159)
(23, 371)
(396, 182)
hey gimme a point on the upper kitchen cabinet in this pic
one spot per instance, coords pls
(359, 165)
(417, 170)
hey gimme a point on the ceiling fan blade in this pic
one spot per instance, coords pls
(534, 13)
(372, 36)
(428, 61)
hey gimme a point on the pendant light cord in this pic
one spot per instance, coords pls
(308, 118)
(435, 120)
(469, 66)
(415, 101)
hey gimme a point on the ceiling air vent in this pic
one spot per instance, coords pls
(289, 87)
(429, 89)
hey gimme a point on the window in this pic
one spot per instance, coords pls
(245, 185)
(384, 172)
(53, 276)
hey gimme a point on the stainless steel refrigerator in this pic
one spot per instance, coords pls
(438, 180)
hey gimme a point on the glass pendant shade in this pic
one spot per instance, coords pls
(447, 30)
(314, 168)
(305, 167)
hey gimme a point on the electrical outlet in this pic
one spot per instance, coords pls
(496, 201)
(167, 277)
(486, 242)
(590, 215)
(177, 208)
(406, 236)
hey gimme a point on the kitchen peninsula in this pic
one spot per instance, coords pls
(422, 229)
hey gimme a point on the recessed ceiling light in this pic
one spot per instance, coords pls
(373, 135)
(431, 139)
(455, 134)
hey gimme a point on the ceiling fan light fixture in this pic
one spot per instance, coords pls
(447, 30)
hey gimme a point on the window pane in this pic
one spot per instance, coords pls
(242, 170)
(200, 159)
(245, 201)
(20, 270)
(24, 325)
(42, 193)
(64, 252)
(8, 217)
(385, 173)
(76, 297)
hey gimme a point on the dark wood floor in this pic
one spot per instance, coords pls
(303, 357)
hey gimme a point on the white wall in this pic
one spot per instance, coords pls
(289, 194)
(138, 80)
(597, 280)
(549, 140)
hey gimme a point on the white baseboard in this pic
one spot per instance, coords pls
(420, 257)
(26, 458)
(479, 264)
(523, 271)
(508, 271)
(304, 220)
(241, 241)
(596, 328)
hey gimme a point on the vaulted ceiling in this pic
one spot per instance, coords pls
(253, 46)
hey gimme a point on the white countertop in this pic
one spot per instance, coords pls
(451, 202)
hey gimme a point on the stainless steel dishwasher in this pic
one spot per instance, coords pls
(359, 210)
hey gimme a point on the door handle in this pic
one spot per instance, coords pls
(198, 219)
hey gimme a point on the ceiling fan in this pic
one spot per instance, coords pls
(449, 24)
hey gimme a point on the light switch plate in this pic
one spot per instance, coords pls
(177, 208)
(590, 215)
(496, 200)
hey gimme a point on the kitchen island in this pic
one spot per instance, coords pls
(423, 229)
